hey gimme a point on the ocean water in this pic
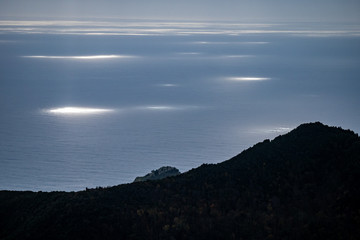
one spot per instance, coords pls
(87, 104)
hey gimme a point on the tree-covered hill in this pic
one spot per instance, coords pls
(302, 185)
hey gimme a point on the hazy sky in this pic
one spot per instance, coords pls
(263, 10)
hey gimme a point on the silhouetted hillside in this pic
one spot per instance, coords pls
(302, 185)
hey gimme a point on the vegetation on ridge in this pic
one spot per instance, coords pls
(158, 174)
(302, 185)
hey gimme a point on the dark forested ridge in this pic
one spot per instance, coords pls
(302, 185)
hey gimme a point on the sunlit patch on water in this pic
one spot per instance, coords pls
(90, 57)
(167, 85)
(270, 130)
(160, 108)
(78, 111)
(189, 53)
(278, 130)
(236, 56)
(247, 78)
(167, 108)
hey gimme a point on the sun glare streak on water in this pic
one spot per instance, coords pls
(167, 85)
(78, 111)
(92, 57)
(160, 108)
(247, 78)
(168, 108)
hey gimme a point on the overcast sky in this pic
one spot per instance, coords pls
(262, 10)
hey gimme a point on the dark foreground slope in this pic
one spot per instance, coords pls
(303, 185)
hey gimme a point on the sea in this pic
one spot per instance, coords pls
(88, 103)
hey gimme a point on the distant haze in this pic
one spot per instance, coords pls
(244, 10)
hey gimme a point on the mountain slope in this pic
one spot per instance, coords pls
(302, 185)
